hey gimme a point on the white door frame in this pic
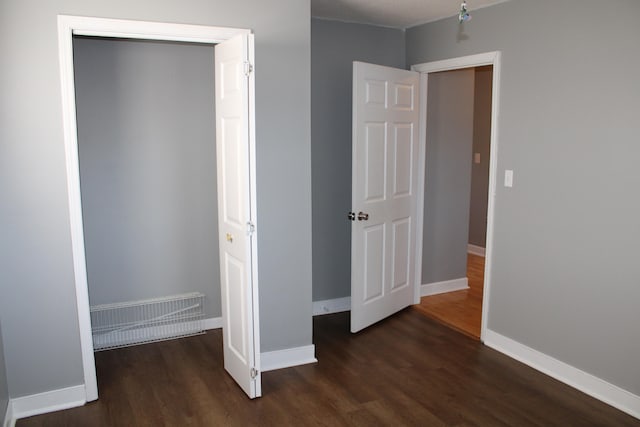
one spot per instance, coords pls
(68, 26)
(489, 58)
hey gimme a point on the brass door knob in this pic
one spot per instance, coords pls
(363, 216)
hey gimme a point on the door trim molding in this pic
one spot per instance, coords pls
(68, 26)
(489, 58)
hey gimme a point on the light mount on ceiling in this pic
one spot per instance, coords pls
(463, 15)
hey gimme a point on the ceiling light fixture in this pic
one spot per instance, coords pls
(463, 15)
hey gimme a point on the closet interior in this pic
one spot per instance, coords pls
(147, 155)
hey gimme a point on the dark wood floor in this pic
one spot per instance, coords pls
(406, 370)
(460, 310)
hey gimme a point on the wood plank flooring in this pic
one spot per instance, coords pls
(460, 310)
(407, 370)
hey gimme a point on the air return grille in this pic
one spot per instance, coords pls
(137, 322)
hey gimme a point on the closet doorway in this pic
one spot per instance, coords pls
(147, 155)
(149, 191)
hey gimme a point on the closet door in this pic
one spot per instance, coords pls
(235, 144)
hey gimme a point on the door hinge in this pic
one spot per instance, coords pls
(248, 68)
(254, 373)
(251, 228)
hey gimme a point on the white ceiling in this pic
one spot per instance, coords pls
(392, 13)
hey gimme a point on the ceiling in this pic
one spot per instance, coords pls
(392, 13)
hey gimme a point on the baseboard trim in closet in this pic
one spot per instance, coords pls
(213, 323)
(329, 306)
(288, 357)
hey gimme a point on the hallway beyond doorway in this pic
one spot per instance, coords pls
(459, 310)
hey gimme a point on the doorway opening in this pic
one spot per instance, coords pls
(236, 197)
(456, 195)
(146, 145)
(387, 138)
(459, 102)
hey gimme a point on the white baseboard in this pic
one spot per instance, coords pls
(328, 306)
(442, 287)
(287, 358)
(50, 401)
(9, 420)
(213, 323)
(585, 382)
(475, 250)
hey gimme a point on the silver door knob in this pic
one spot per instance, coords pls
(363, 216)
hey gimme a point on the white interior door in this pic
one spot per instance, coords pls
(384, 191)
(235, 149)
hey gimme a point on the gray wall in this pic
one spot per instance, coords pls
(447, 175)
(481, 145)
(147, 151)
(565, 263)
(4, 391)
(334, 47)
(37, 296)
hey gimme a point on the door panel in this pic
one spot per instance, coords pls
(237, 324)
(376, 160)
(374, 259)
(403, 156)
(236, 173)
(385, 138)
(400, 251)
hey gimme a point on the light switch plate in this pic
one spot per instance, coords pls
(476, 158)
(508, 178)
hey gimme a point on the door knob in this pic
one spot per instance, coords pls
(351, 216)
(363, 216)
